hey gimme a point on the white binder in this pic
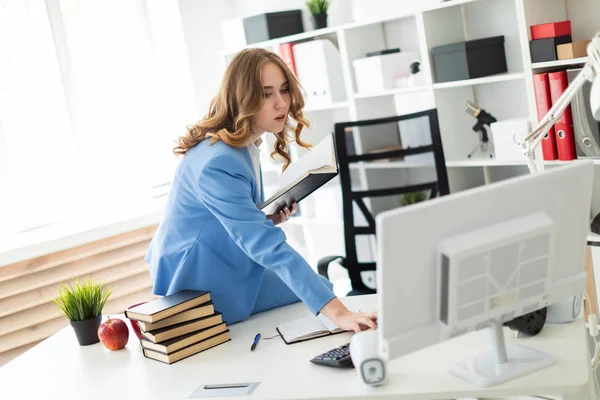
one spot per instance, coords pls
(319, 70)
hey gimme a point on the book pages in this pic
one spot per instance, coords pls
(321, 155)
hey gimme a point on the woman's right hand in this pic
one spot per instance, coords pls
(357, 321)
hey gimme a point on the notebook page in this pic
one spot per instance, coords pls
(302, 327)
(329, 324)
(332, 326)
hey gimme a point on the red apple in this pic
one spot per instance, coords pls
(113, 333)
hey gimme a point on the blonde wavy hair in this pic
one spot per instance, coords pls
(240, 98)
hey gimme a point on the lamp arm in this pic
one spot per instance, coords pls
(531, 141)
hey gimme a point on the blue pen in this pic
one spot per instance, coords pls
(256, 339)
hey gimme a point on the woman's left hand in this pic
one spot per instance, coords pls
(284, 214)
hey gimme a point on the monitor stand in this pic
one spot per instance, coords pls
(502, 363)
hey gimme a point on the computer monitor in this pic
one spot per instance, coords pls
(479, 258)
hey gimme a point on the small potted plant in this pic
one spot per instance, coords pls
(82, 304)
(412, 197)
(318, 10)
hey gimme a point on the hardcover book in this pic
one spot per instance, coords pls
(169, 332)
(167, 306)
(304, 176)
(202, 310)
(178, 343)
(187, 351)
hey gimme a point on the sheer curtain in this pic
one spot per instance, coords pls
(92, 95)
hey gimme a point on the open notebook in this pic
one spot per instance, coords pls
(306, 328)
(311, 327)
(304, 176)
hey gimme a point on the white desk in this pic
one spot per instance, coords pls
(59, 368)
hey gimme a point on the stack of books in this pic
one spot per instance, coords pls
(179, 325)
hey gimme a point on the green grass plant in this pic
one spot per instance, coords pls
(82, 301)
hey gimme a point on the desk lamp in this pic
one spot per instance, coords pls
(590, 73)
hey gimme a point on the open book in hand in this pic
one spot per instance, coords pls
(306, 328)
(304, 176)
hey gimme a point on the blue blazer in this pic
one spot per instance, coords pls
(214, 237)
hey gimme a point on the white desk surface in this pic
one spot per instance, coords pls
(58, 368)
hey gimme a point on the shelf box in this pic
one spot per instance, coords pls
(377, 73)
(569, 51)
(545, 49)
(469, 60)
(550, 30)
(262, 27)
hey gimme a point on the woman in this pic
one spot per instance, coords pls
(213, 236)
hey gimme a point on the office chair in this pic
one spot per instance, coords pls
(349, 196)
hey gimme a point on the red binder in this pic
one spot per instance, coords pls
(287, 55)
(565, 138)
(543, 103)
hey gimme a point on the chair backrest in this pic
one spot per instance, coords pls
(437, 187)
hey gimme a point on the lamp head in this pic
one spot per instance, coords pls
(594, 59)
(595, 99)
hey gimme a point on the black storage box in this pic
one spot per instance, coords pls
(383, 52)
(468, 60)
(545, 49)
(259, 28)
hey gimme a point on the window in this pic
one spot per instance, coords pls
(92, 95)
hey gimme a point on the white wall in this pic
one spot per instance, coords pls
(201, 21)
(366, 10)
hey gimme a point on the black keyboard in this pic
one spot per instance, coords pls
(338, 357)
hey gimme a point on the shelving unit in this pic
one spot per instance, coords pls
(389, 92)
(456, 164)
(300, 37)
(505, 96)
(333, 106)
(480, 81)
(559, 63)
(447, 4)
